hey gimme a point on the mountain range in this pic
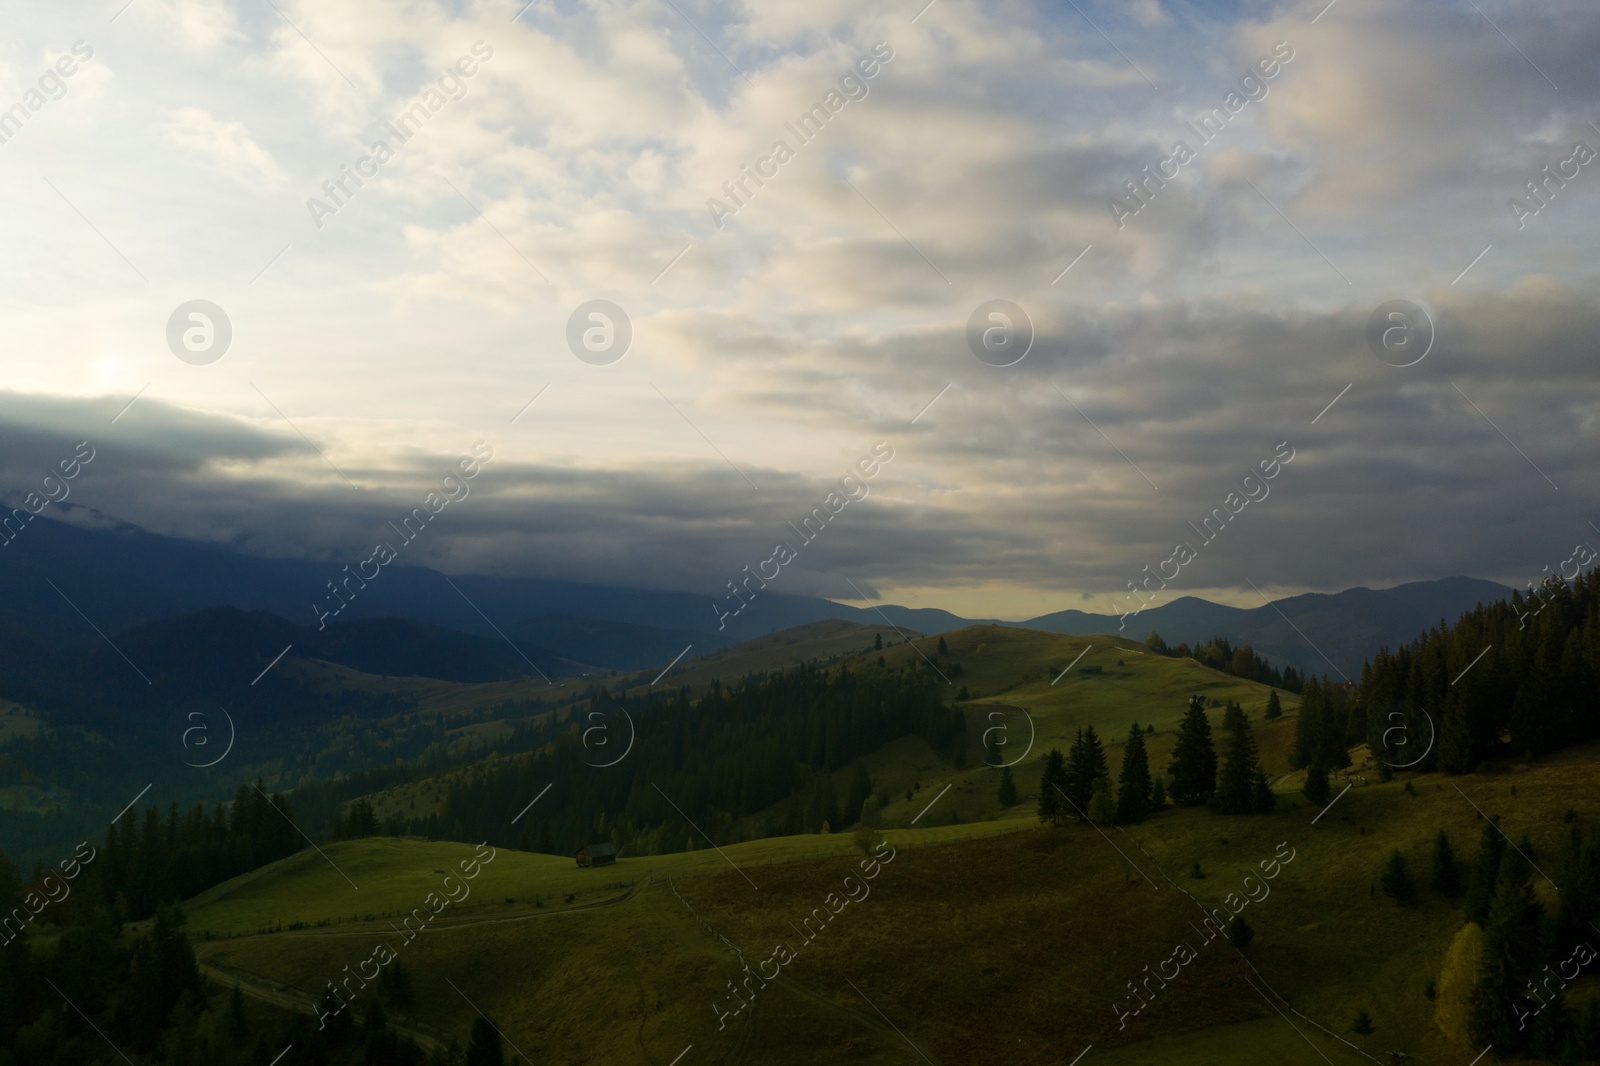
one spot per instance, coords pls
(66, 580)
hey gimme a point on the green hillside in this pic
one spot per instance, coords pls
(1004, 670)
(1042, 927)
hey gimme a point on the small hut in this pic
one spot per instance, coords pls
(597, 855)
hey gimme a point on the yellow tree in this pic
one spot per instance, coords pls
(1458, 976)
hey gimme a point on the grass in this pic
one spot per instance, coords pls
(1008, 947)
(1008, 671)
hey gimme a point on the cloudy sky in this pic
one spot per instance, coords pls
(780, 330)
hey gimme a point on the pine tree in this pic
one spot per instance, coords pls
(1551, 1028)
(1316, 788)
(856, 799)
(1194, 759)
(1310, 726)
(1446, 876)
(1086, 763)
(943, 648)
(1455, 752)
(1051, 786)
(1262, 798)
(1133, 789)
(1485, 872)
(1511, 944)
(877, 643)
(1579, 878)
(1008, 788)
(1274, 706)
(1395, 881)
(1158, 794)
(1235, 784)
(1102, 808)
(1239, 932)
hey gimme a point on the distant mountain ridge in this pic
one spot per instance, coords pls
(1332, 633)
(123, 577)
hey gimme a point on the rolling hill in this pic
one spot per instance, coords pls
(1044, 927)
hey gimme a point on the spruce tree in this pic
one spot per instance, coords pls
(943, 648)
(1194, 759)
(1133, 787)
(1455, 752)
(1551, 1028)
(1579, 878)
(1511, 945)
(1316, 788)
(1086, 763)
(1445, 878)
(1008, 788)
(1051, 786)
(1236, 783)
(1158, 794)
(856, 799)
(1094, 756)
(1102, 808)
(1395, 881)
(1274, 706)
(1485, 872)
(1310, 726)
(1262, 798)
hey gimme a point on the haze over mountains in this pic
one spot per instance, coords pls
(123, 577)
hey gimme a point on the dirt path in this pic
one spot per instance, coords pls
(288, 998)
(365, 928)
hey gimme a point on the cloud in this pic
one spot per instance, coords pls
(1185, 342)
(198, 24)
(227, 147)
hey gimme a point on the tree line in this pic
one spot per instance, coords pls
(752, 759)
(100, 993)
(1241, 661)
(1512, 678)
(1079, 783)
(151, 860)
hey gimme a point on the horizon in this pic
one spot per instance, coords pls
(582, 244)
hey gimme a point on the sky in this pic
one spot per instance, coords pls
(559, 153)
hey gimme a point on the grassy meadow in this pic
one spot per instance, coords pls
(988, 938)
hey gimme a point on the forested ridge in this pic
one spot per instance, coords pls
(1516, 678)
(724, 758)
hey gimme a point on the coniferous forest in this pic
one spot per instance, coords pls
(751, 759)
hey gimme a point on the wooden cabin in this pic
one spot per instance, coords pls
(597, 855)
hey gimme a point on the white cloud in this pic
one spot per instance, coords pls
(992, 144)
(227, 147)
